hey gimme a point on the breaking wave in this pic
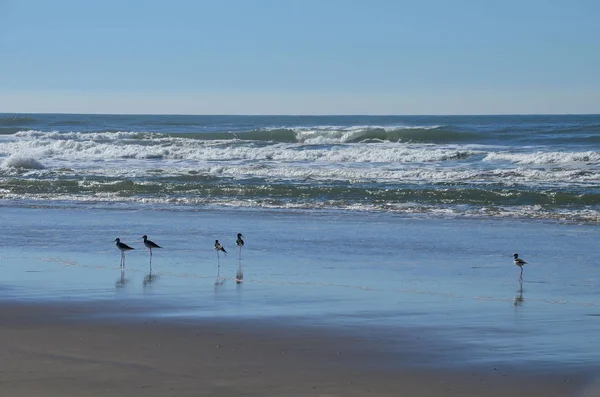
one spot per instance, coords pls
(23, 162)
(535, 167)
(545, 157)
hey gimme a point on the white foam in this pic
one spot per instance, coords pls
(517, 212)
(320, 135)
(78, 147)
(545, 157)
(23, 162)
(80, 136)
(127, 155)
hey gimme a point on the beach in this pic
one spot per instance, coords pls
(378, 255)
(51, 351)
(398, 316)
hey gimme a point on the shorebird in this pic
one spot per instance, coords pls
(519, 262)
(240, 243)
(150, 244)
(123, 247)
(239, 274)
(219, 247)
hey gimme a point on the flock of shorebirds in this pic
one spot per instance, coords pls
(151, 245)
(240, 243)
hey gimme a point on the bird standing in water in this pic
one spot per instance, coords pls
(219, 247)
(240, 243)
(150, 244)
(519, 262)
(239, 274)
(123, 247)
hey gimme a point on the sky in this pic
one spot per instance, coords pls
(300, 56)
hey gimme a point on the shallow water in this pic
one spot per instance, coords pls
(451, 281)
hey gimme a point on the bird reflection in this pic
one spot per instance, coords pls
(121, 281)
(220, 281)
(239, 276)
(150, 278)
(519, 297)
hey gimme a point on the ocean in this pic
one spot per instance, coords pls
(359, 223)
(542, 167)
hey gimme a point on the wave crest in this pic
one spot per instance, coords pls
(23, 162)
(545, 157)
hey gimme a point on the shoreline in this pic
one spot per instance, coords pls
(73, 350)
(342, 306)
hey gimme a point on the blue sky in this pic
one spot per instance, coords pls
(300, 56)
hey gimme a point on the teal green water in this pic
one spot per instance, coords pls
(526, 167)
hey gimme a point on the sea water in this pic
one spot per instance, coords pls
(385, 224)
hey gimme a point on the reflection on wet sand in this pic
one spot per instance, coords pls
(121, 281)
(220, 281)
(239, 274)
(150, 278)
(519, 297)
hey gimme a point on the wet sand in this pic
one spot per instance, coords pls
(74, 349)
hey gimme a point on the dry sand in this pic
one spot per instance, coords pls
(58, 350)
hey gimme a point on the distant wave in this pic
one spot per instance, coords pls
(76, 146)
(308, 135)
(338, 135)
(589, 128)
(9, 130)
(360, 134)
(9, 120)
(67, 123)
(103, 136)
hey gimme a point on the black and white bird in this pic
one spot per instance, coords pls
(123, 247)
(239, 242)
(219, 247)
(240, 273)
(519, 262)
(150, 244)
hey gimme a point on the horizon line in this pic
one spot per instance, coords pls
(307, 114)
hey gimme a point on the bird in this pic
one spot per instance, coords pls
(519, 262)
(123, 247)
(219, 247)
(150, 244)
(239, 241)
(239, 274)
